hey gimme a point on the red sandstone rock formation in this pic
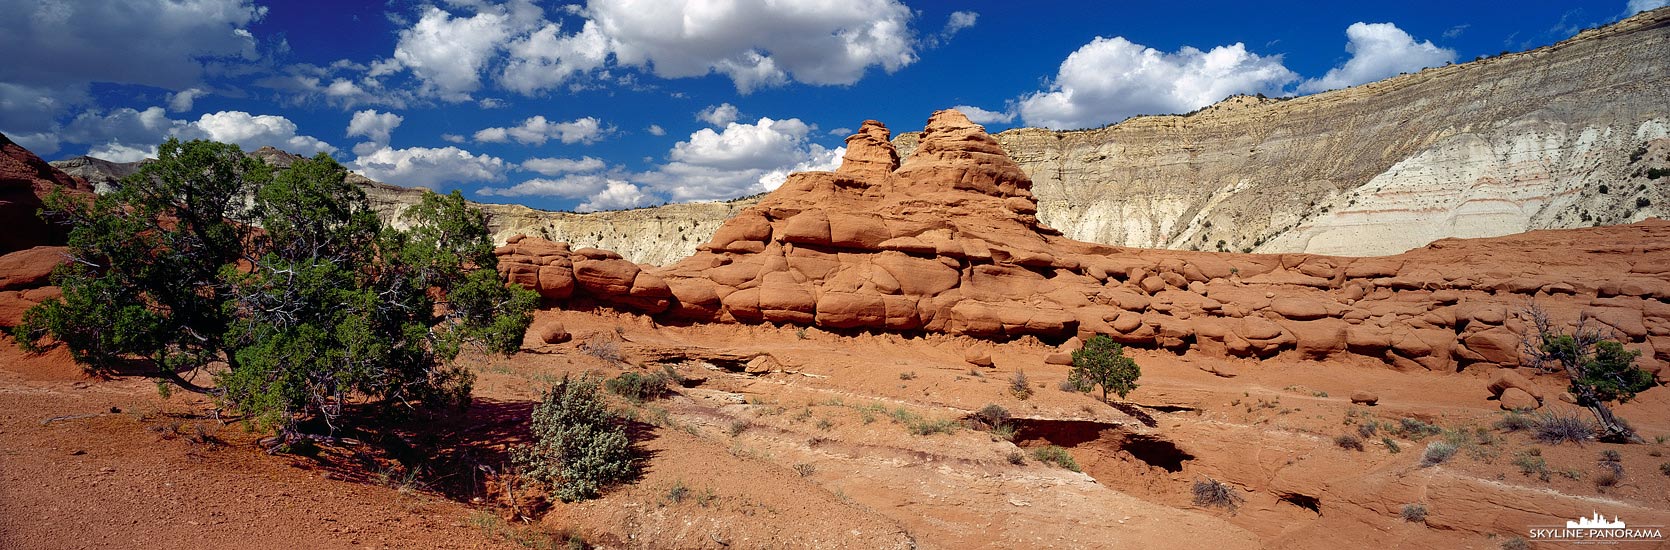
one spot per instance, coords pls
(24, 180)
(949, 243)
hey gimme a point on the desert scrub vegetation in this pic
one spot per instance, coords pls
(1051, 454)
(579, 446)
(1437, 452)
(1531, 462)
(280, 285)
(917, 425)
(1348, 442)
(1019, 386)
(531, 537)
(995, 419)
(1414, 513)
(1210, 492)
(639, 387)
(1555, 428)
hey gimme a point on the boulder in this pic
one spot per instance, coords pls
(978, 357)
(1515, 399)
(1505, 379)
(30, 268)
(1497, 345)
(1363, 397)
(547, 330)
(1058, 358)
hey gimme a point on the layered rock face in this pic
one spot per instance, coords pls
(1542, 139)
(949, 242)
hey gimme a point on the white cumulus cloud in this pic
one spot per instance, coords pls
(125, 132)
(718, 115)
(536, 130)
(1111, 79)
(428, 167)
(448, 53)
(182, 101)
(252, 132)
(656, 130)
(571, 186)
(546, 58)
(1378, 50)
(373, 125)
(742, 159)
(615, 196)
(982, 116)
(758, 43)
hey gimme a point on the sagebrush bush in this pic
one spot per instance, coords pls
(1556, 428)
(1437, 453)
(1515, 421)
(640, 387)
(1051, 454)
(992, 415)
(1349, 442)
(1415, 513)
(1019, 386)
(578, 445)
(1211, 492)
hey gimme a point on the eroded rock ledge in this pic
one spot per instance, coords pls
(949, 242)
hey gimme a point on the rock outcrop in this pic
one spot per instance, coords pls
(25, 180)
(949, 242)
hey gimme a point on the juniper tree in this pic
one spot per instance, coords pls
(1600, 369)
(280, 293)
(1102, 363)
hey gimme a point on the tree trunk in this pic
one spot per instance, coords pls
(1616, 432)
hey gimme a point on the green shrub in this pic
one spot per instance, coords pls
(1051, 454)
(1437, 453)
(1414, 513)
(1664, 468)
(1416, 429)
(639, 387)
(578, 446)
(1391, 445)
(1531, 462)
(1515, 421)
(992, 415)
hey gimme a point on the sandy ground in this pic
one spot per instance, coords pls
(819, 452)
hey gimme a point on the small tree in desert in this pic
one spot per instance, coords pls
(1600, 368)
(282, 287)
(1102, 363)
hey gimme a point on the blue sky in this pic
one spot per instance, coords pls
(609, 104)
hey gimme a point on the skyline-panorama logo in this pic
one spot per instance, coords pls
(1596, 529)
